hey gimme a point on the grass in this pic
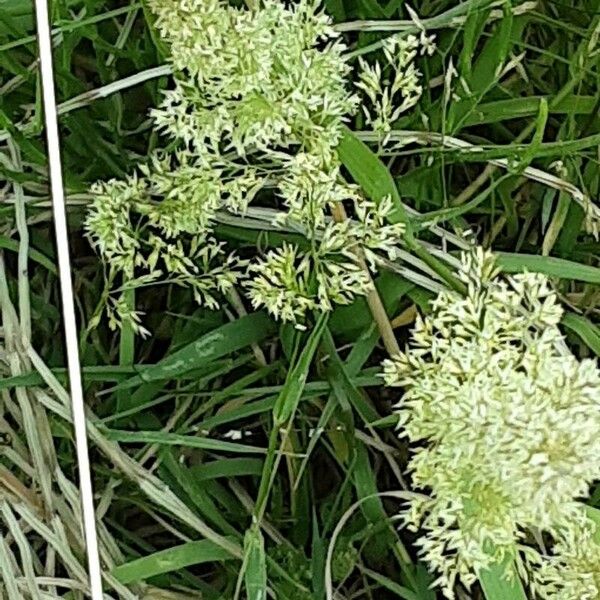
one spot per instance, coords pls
(227, 448)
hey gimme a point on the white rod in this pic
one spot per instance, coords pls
(66, 288)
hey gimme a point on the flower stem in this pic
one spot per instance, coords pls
(373, 298)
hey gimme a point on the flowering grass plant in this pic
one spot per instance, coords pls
(260, 100)
(336, 275)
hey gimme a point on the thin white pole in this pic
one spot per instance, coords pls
(66, 288)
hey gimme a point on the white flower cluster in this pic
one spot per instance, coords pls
(289, 282)
(505, 424)
(390, 96)
(259, 100)
(572, 571)
(157, 227)
(257, 81)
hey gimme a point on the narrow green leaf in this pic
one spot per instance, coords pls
(472, 31)
(496, 586)
(365, 484)
(493, 55)
(538, 134)
(484, 74)
(516, 108)
(226, 467)
(318, 553)
(377, 182)
(571, 229)
(291, 393)
(342, 386)
(398, 590)
(248, 409)
(557, 223)
(585, 329)
(126, 345)
(255, 575)
(172, 559)
(91, 373)
(175, 439)
(370, 173)
(554, 267)
(34, 255)
(285, 407)
(222, 341)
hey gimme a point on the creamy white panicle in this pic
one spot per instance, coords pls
(572, 569)
(505, 424)
(259, 100)
(387, 97)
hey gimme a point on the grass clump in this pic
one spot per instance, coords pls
(278, 196)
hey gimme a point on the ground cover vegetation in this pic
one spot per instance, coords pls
(336, 274)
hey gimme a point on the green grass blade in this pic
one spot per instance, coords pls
(126, 344)
(226, 467)
(585, 329)
(194, 493)
(370, 173)
(377, 182)
(35, 255)
(255, 574)
(291, 393)
(285, 407)
(554, 267)
(496, 586)
(514, 108)
(398, 590)
(222, 341)
(175, 439)
(172, 559)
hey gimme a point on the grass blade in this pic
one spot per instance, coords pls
(174, 439)
(496, 586)
(222, 341)
(377, 182)
(554, 267)
(172, 559)
(285, 408)
(585, 329)
(255, 574)
(294, 384)
(367, 170)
